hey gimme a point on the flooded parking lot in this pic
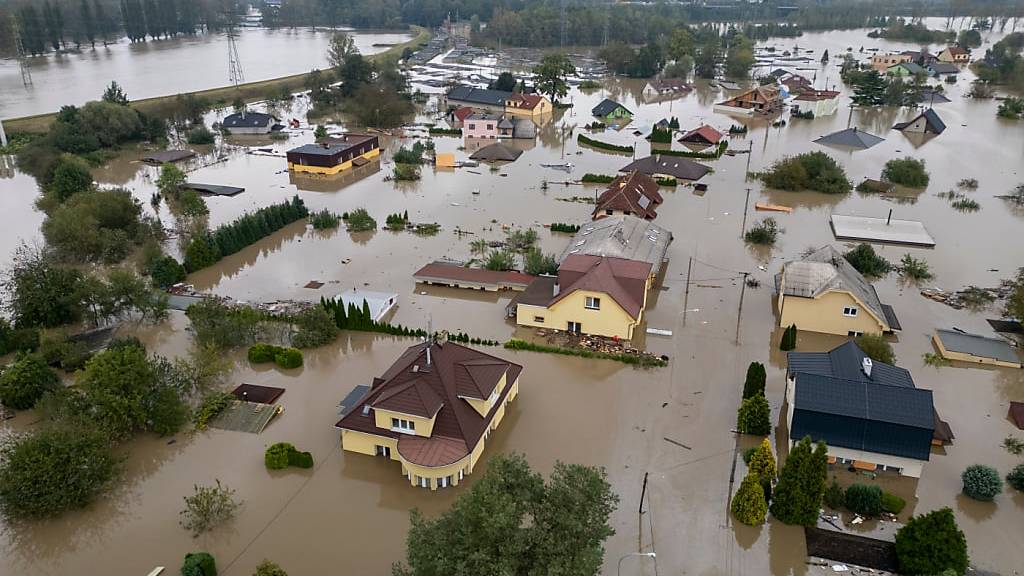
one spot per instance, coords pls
(350, 514)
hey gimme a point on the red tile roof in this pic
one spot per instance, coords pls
(462, 113)
(411, 383)
(635, 193)
(703, 134)
(956, 51)
(453, 272)
(625, 281)
(525, 101)
(816, 95)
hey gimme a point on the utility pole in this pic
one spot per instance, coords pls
(746, 207)
(750, 152)
(686, 296)
(739, 312)
(640, 517)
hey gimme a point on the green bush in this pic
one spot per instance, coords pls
(567, 228)
(315, 328)
(70, 176)
(300, 459)
(914, 268)
(636, 359)
(877, 348)
(406, 172)
(864, 500)
(754, 416)
(268, 568)
(288, 358)
(434, 131)
(590, 178)
(749, 505)
(669, 182)
(1016, 477)
(982, 482)
(810, 171)
(25, 381)
(260, 353)
(906, 171)
(788, 339)
(892, 503)
(166, 271)
(359, 220)
(748, 454)
(209, 407)
(277, 456)
(199, 564)
(835, 496)
(583, 139)
(324, 220)
(867, 262)
(931, 544)
(199, 136)
(756, 377)
(765, 232)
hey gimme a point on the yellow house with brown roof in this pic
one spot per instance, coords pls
(432, 410)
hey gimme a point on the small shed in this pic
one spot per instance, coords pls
(975, 348)
(851, 138)
(609, 108)
(444, 160)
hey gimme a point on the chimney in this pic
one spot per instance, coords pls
(428, 353)
(557, 289)
(866, 366)
(415, 368)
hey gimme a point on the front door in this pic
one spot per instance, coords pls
(575, 327)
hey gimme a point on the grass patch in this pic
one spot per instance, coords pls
(634, 359)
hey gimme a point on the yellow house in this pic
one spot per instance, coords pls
(432, 411)
(334, 155)
(883, 62)
(595, 295)
(824, 293)
(520, 104)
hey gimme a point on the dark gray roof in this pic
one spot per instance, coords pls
(943, 68)
(850, 138)
(931, 118)
(864, 415)
(496, 152)
(353, 398)
(214, 189)
(479, 95)
(978, 345)
(606, 107)
(675, 166)
(845, 362)
(248, 120)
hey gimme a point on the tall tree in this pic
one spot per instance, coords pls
(931, 543)
(550, 77)
(797, 496)
(50, 19)
(87, 22)
(105, 26)
(341, 48)
(33, 33)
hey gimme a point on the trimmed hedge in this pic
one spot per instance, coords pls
(590, 178)
(892, 503)
(199, 564)
(445, 132)
(635, 359)
(288, 358)
(864, 500)
(584, 139)
(567, 228)
(300, 459)
(667, 182)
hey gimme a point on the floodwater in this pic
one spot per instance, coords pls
(172, 66)
(350, 514)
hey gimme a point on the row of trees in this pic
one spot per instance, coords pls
(1003, 62)
(227, 239)
(703, 51)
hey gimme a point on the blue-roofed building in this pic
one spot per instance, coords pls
(245, 122)
(869, 413)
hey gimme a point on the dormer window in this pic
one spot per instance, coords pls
(403, 426)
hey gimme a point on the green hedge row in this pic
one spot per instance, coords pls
(635, 359)
(590, 178)
(583, 139)
(567, 228)
(227, 239)
(445, 132)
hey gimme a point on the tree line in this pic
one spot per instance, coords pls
(227, 239)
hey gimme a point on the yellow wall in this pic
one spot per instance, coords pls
(962, 357)
(825, 314)
(364, 443)
(484, 406)
(334, 169)
(610, 320)
(424, 426)
(544, 107)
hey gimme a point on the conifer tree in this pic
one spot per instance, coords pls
(749, 505)
(797, 497)
(756, 377)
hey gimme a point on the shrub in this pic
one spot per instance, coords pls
(359, 220)
(754, 384)
(70, 176)
(300, 459)
(53, 470)
(788, 339)
(915, 269)
(810, 171)
(288, 358)
(268, 568)
(315, 328)
(748, 454)
(590, 178)
(864, 500)
(835, 496)
(765, 232)
(406, 172)
(166, 271)
(209, 407)
(754, 416)
(208, 507)
(669, 182)
(801, 486)
(199, 136)
(749, 505)
(199, 564)
(877, 348)
(499, 260)
(892, 503)
(906, 171)
(324, 220)
(277, 455)
(1016, 477)
(635, 359)
(867, 262)
(567, 228)
(261, 353)
(982, 482)
(25, 381)
(931, 544)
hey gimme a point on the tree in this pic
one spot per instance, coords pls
(756, 377)
(53, 470)
(536, 262)
(499, 260)
(550, 77)
(1014, 307)
(39, 293)
(199, 564)
(754, 416)
(931, 543)
(864, 500)
(877, 348)
(506, 82)
(762, 462)
(982, 482)
(166, 271)
(869, 88)
(341, 48)
(788, 341)
(680, 43)
(740, 57)
(321, 132)
(208, 507)
(268, 568)
(797, 497)
(864, 259)
(71, 175)
(749, 505)
(354, 73)
(1016, 477)
(114, 94)
(170, 181)
(315, 328)
(705, 60)
(512, 522)
(24, 382)
(906, 171)
(824, 57)
(87, 22)
(96, 226)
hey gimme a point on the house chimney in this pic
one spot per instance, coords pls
(557, 289)
(428, 353)
(866, 366)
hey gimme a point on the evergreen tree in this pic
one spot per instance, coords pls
(340, 319)
(754, 384)
(152, 19)
(931, 543)
(788, 339)
(798, 495)
(754, 416)
(762, 463)
(749, 505)
(367, 317)
(103, 24)
(869, 90)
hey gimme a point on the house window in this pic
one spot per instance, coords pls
(575, 327)
(423, 482)
(383, 451)
(490, 126)
(592, 303)
(850, 311)
(444, 482)
(404, 426)
(609, 212)
(854, 334)
(538, 319)
(472, 126)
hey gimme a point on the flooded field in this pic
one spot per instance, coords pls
(350, 514)
(167, 67)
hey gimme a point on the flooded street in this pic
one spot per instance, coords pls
(350, 514)
(168, 67)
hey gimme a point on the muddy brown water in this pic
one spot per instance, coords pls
(350, 514)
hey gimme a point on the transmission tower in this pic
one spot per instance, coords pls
(26, 74)
(235, 74)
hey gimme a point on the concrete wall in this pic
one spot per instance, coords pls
(333, 169)
(610, 320)
(825, 314)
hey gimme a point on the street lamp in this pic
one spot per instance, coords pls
(647, 554)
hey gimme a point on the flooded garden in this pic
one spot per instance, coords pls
(350, 513)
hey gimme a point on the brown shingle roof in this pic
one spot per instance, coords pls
(625, 281)
(524, 101)
(703, 134)
(674, 166)
(635, 193)
(457, 425)
(453, 272)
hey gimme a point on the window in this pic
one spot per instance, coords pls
(609, 212)
(472, 126)
(423, 482)
(850, 311)
(592, 303)
(854, 333)
(538, 319)
(383, 451)
(490, 126)
(575, 327)
(462, 473)
(444, 482)
(406, 426)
